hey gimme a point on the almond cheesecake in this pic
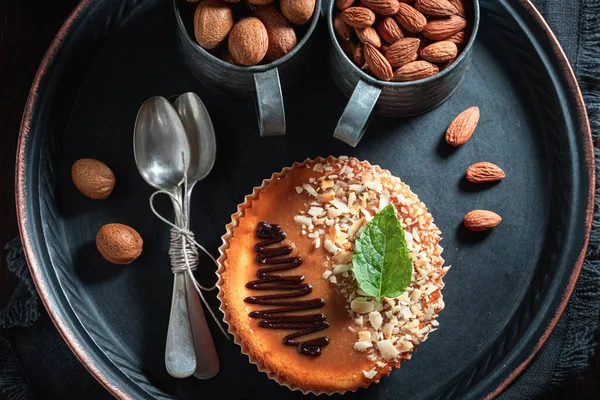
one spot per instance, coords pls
(289, 283)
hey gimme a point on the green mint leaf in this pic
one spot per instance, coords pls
(381, 263)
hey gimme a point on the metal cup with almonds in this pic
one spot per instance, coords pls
(396, 59)
(249, 48)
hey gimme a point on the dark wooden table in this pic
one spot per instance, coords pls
(26, 30)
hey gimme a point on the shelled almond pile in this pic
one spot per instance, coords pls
(339, 205)
(404, 40)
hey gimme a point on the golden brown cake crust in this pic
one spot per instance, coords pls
(339, 368)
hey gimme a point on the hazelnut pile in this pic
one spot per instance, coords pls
(250, 32)
(118, 243)
(404, 40)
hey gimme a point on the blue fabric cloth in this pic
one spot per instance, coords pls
(36, 363)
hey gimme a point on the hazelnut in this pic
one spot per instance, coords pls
(93, 178)
(118, 243)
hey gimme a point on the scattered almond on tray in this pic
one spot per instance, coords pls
(413, 39)
(481, 220)
(462, 127)
(483, 172)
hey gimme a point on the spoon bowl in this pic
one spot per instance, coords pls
(201, 135)
(160, 143)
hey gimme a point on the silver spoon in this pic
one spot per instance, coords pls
(203, 148)
(161, 151)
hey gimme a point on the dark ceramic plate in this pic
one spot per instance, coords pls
(504, 292)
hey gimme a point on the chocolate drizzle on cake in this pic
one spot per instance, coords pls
(293, 286)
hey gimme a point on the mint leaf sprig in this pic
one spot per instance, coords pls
(381, 263)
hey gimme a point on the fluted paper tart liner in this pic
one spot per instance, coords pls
(242, 209)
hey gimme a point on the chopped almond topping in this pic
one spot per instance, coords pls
(330, 247)
(333, 212)
(356, 226)
(326, 197)
(341, 268)
(387, 349)
(303, 220)
(345, 257)
(318, 167)
(340, 203)
(356, 188)
(375, 319)
(370, 374)
(327, 184)
(351, 199)
(309, 189)
(362, 345)
(316, 211)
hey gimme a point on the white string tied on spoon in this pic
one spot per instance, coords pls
(183, 251)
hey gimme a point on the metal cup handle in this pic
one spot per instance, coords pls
(356, 115)
(269, 103)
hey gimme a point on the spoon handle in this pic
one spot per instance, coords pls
(180, 358)
(207, 360)
(206, 353)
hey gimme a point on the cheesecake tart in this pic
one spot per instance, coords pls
(288, 276)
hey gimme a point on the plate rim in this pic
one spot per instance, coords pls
(58, 319)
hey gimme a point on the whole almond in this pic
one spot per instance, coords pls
(481, 220)
(410, 19)
(281, 36)
(442, 29)
(382, 7)
(482, 172)
(460, 8)
(358, 17)
(343, 4)
(402, 52)
(414, 71)
(342, 29)
(378, 65)
(462, 127)
(93, 178)
(359, 55)
(458, 38)
(298, 11)
(248, 41)
(440, 52)
(389, 30)
(118, 243)
(436, 8)
(368, 35)
(213, 19)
